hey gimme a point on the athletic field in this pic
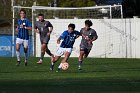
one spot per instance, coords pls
(97, 76)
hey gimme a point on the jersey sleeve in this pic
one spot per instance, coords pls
(63, 35)
(35, 25)
(94, 34)
(81, 31)
(18, 23)
(29, 23)
(49, 24)
(78, 33)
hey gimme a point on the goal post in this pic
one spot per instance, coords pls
(95, 12)
(102, 17)
(107, 21)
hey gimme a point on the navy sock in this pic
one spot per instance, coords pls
(80, 63)
(48, 52)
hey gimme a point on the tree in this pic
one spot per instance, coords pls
(76, 3)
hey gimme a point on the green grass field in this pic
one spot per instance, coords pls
(97, 76)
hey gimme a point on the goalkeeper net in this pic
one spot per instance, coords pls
(110, 42)
(107, 21)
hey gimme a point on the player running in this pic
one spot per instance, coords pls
(44, 28)
(68, 39)
(24, 25)
(88, 36)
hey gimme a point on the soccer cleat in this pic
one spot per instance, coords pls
(18, 63)
(25, 63)
(79, 67)
(51, 67)
(58, 70)
(39, 62)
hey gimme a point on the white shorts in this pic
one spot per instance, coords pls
(60, 51)
(22, 41)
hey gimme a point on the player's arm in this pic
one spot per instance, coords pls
(50, 27)
(17, 29)
(78, 34)
(28, 26)
(58, 40)
(62, 37)
(81, 33)
(18, 25)
(95, 36)
(36, 28)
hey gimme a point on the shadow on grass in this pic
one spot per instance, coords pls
(86, 85)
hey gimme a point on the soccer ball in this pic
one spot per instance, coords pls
(65, 66)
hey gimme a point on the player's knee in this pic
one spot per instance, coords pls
(85, 56)
(43, 51)
(25, 50)
(17, 49)
(82, 49)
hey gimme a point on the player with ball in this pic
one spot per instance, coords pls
(68, 38)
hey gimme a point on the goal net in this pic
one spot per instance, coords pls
(107, 21)
(114, 39)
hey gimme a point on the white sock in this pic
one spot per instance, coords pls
(60, 66)
(26, 56)
(52, 63)
(40, 60)
(18, 55)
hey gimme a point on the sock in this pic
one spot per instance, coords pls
(26, 56)
(53, 63)
(18, 55)
(48, 52)
(60, 66)
(80, 63)
(42, 56)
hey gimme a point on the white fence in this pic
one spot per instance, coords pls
(117, 38)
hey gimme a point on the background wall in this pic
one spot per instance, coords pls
(117, 38)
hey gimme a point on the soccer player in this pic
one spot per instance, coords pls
(44, 28)
(24, 25)
(88, 36)
(68, 39)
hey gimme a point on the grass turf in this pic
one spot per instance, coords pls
(97, 76)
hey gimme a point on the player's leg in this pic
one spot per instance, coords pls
(84, 52)
(49, 53)
(66, 57)
(46, 40)
(43, 49)
(59, 53)
(18, 44)
(87, 53)
(80, 58)
(25, 45)
(53, 61)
